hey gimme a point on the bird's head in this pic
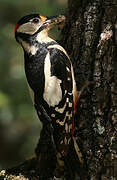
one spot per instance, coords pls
(33, 24)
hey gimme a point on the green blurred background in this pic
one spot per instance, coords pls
(19, 125)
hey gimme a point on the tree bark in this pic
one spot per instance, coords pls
(90, 38)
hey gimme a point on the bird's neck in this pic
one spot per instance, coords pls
(43, 37)
(32, 44)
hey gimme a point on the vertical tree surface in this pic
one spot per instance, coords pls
(90, 38)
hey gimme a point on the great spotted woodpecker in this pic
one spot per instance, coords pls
(50, 76)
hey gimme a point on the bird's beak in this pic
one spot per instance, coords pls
(43, 18)
(49, 22)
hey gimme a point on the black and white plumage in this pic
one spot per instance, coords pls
(50, 76)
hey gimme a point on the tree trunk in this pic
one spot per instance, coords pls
(90, 38)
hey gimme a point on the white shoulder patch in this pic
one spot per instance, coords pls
(52, 90)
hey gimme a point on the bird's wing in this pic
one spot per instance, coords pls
(58, 76)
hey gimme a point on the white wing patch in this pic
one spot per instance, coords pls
(52, 90)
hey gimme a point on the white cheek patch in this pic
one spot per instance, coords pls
(27, 28)
(52, 90)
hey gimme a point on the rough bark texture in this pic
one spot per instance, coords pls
(90, 38)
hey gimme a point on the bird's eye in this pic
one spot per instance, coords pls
(35, 20)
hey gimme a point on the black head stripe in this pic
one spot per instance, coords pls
(27, 18)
